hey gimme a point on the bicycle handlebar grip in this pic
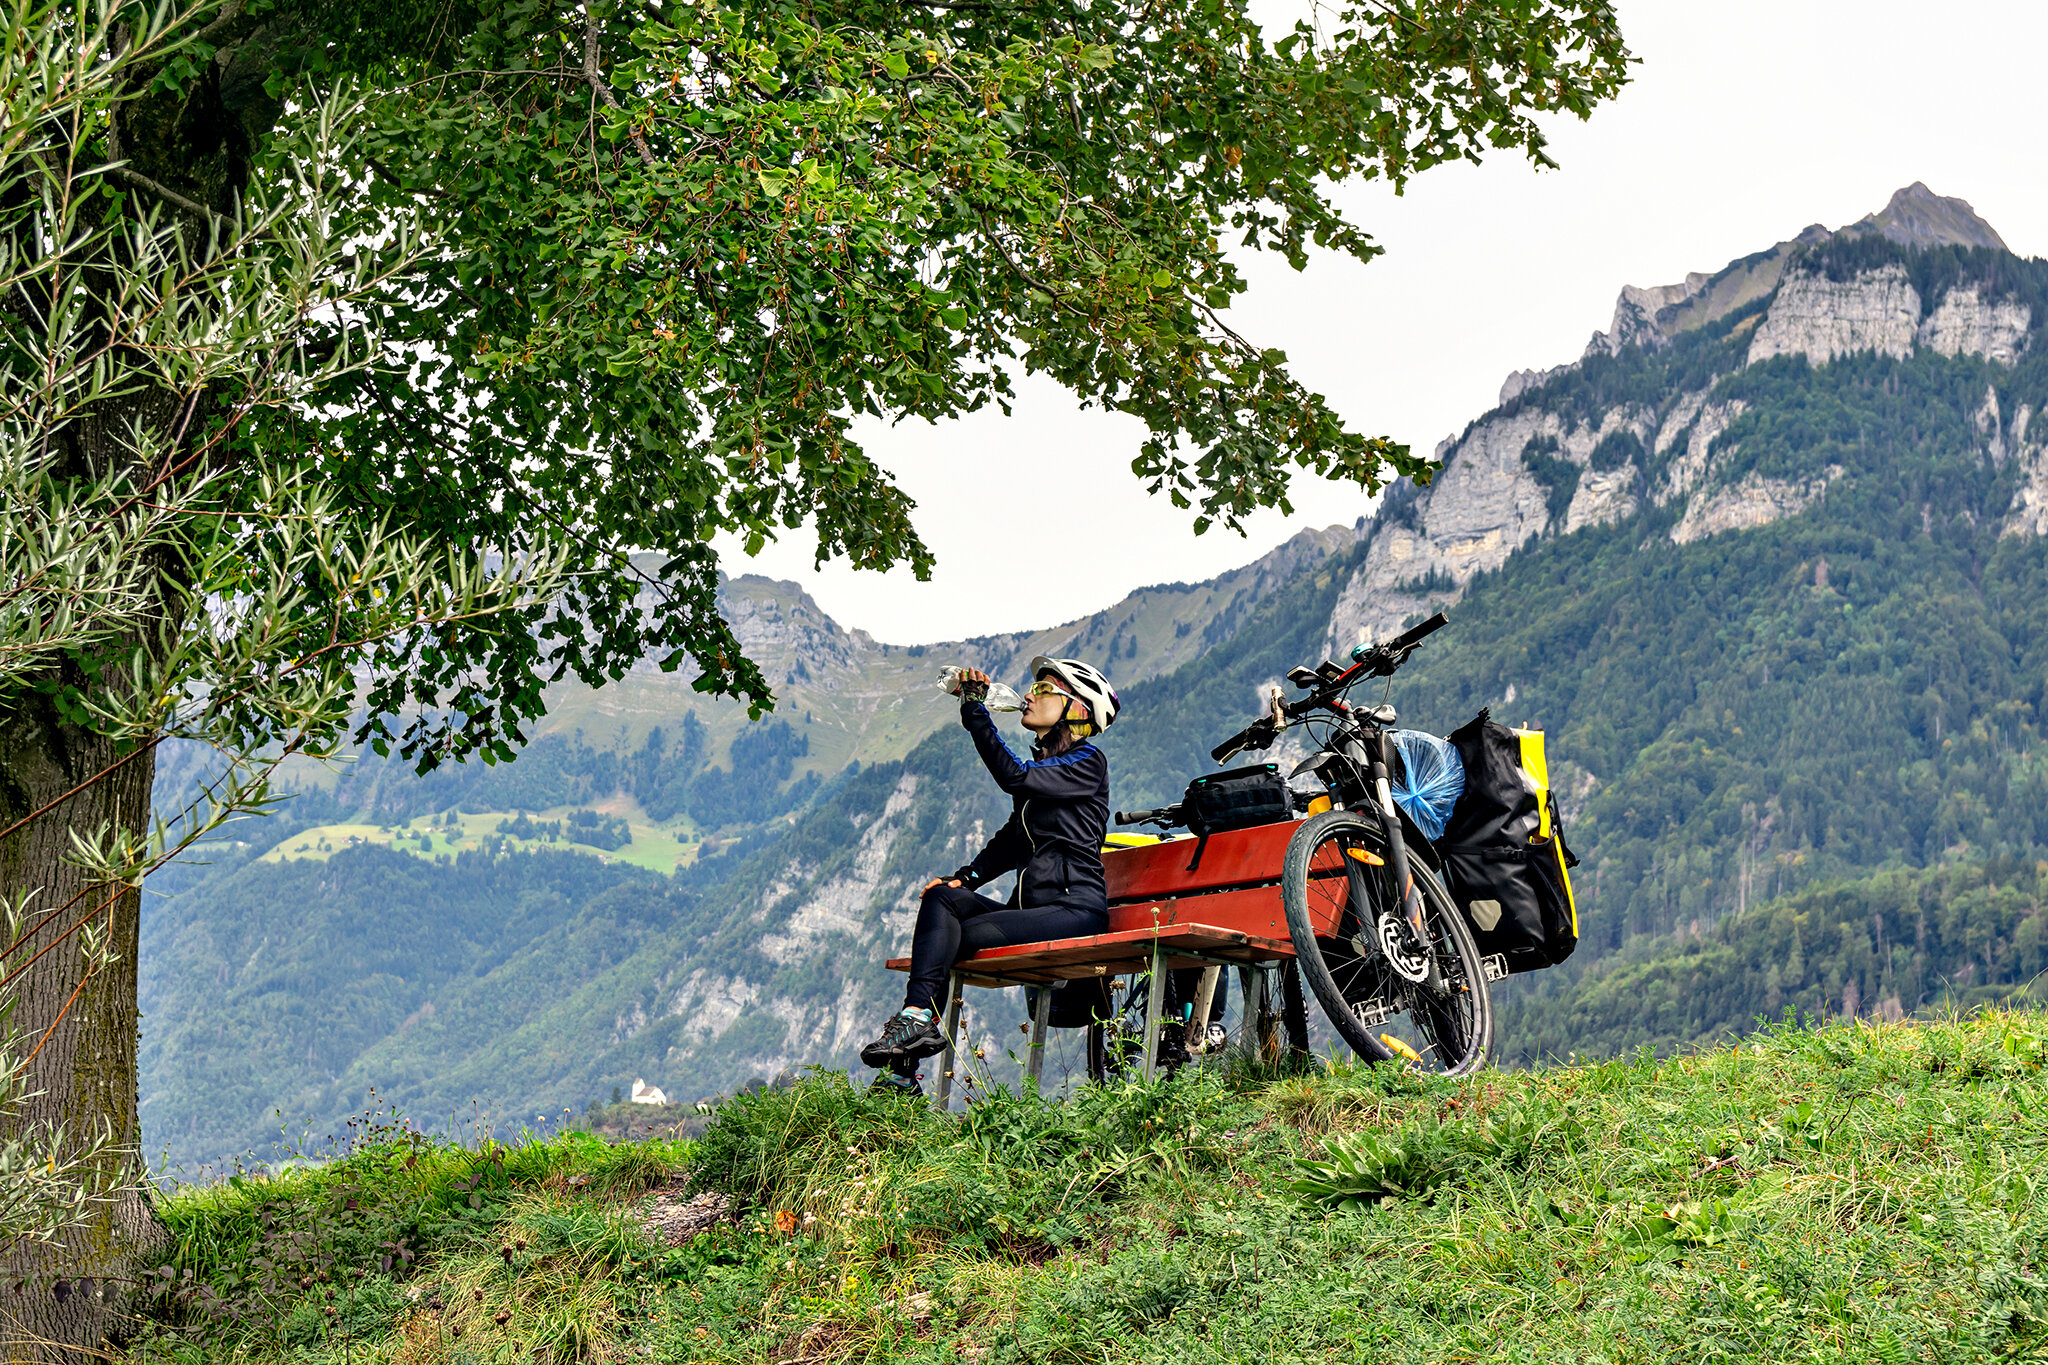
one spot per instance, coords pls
(1257, 735)
(1134, 817)
(1404, 640)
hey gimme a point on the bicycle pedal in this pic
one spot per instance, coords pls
(1496, 967)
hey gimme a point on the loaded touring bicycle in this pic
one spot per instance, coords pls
(1395, 937)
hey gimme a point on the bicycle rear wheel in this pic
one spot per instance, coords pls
(1385, 996)
(1116, 1041)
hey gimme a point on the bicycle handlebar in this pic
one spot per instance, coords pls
(1257, 735)
(1167, 815)
(1369, 661)
(1406, 640)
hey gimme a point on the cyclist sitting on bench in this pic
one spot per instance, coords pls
(1053, 839)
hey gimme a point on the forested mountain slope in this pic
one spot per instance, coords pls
(850, 698)
(1768, 563)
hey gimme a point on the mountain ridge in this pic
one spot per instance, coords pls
(1796, 299)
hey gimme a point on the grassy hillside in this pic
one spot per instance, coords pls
(1861, 1192)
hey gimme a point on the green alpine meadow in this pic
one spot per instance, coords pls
(1861, 1191)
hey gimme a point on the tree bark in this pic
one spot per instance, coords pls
(64, 1301)
(86, 1069)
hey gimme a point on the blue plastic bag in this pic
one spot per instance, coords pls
(1434, 780)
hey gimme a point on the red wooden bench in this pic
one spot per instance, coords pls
(1225, 912)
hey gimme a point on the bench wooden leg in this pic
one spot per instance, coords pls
(1155, 1010)
(950, 1026)
(1198, 1019)
(1034, 1056)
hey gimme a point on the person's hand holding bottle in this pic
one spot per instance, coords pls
(974, 684)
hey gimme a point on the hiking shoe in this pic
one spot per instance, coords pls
(905, 1038)
(896, 1083)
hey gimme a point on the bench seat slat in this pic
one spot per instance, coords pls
(1101, 954)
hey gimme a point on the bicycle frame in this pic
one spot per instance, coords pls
(1361, 745)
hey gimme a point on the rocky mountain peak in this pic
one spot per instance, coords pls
(1599, 452)
(1917, 216)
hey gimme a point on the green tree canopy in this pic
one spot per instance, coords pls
(684, 247)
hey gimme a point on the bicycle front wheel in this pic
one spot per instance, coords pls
(1385, 995)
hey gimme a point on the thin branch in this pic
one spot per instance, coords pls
(604, 91)
(57, 801)
(391, 177)
(169, 196)
(9, 979)
(228, 15)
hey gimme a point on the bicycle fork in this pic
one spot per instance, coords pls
(1397, 858)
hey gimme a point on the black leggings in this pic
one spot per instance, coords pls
(953, 922)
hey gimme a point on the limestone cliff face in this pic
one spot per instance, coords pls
(2022, 441)
(1485, 505)
(1751, 501)
(1841, 317)
(1968, 323)
(1879, 310)
(1490, 499)
(1699, 424)
(1482, 508)
(1821, 318)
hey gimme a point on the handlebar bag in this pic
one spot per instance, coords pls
(1504, 852)
(1236, 799)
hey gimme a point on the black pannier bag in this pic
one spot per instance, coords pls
(1075, 1004)
(1237, 799)
(1504, 851)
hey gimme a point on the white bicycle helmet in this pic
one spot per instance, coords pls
(1085, 682)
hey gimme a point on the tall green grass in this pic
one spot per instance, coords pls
(1858, 1192)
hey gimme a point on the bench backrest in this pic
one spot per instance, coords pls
(1238, 857)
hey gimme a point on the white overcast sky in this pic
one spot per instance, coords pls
(1746, 120)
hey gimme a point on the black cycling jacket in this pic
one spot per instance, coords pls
(1056, 824)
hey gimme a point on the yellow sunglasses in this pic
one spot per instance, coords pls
(1046, 687)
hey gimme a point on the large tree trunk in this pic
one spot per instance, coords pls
(196, 144)
(85, 1069)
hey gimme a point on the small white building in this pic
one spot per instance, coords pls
(643, 1093)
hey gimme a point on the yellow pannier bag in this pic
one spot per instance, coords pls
(1504, 851)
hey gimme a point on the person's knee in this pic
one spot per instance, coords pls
(977, 934)
(955, 901)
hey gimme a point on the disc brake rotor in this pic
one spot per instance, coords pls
(1408, 963)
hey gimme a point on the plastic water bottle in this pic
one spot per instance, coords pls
(1001, 696)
